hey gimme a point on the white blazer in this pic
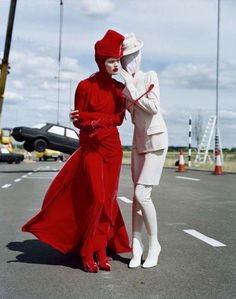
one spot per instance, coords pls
(150, 132)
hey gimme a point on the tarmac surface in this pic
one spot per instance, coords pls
(197, 231)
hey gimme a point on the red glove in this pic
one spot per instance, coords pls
(94, 124)
(103, 121)
(113, 119)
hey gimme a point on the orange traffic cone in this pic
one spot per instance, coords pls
(218, 166)
(181, 167)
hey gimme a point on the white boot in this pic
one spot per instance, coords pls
(153, 253)
(137, 252)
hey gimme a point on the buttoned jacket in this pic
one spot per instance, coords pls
(150, 131)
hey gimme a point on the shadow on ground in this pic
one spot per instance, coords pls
(36, 252)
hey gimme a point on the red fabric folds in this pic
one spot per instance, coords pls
(80, 210)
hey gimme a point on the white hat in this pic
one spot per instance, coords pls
(131, 44)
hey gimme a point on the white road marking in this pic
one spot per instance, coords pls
(6, 186)
(204, 238)
(24, 176)
(40, 178)
(187, 178)
(29, 173)
(42, 175)
(125, 199)
(17, 180)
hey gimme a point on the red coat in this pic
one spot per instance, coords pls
(80, 209)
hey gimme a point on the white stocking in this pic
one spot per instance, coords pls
(137, 245)
(143, 198)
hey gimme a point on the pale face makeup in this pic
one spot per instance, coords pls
(112, 65)
(131, 63)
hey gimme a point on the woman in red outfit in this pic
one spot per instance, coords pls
(80, 210)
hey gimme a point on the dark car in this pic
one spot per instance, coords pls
(48, 135)
(6, 156)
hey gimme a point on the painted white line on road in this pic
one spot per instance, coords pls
(42, 175)
(125, 199)
(204, 238)
(24, 176)
(6, 186)
(29, 173)
(40, 178)
(186, 178)
(17, 180)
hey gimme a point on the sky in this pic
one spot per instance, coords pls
(180, 38)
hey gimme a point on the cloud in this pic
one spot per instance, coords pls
(18, 84)
(96, 8)
(228, 117)
(34, 68)
(13, 98)
(199, 76)
(31, 65)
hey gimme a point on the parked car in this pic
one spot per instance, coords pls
(47, 135)
(49, 154)
(9, 157)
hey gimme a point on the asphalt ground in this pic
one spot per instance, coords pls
(188, 267)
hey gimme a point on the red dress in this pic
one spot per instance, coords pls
(80, 209)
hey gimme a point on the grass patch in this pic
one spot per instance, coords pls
(229, 163)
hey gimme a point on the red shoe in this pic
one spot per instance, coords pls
(103, 260)
(89, 265)
(105, 267)
(109, 259)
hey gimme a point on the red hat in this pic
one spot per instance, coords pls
(110, 45)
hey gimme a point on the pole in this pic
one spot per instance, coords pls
(217, 138)
(59, 61)
(4, 64)
(189, 141)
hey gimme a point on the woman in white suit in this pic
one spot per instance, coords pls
(150, 143)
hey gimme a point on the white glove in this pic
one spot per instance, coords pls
(129, 80)
(129, 83)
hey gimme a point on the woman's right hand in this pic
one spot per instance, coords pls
(127, 77)
(74, 115)
(130, 91)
